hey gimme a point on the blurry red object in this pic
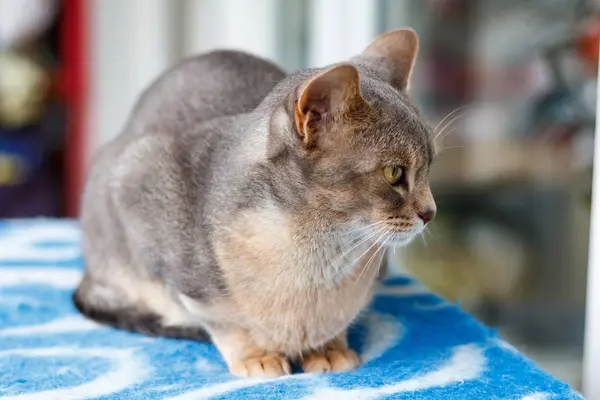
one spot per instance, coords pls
(588, 43)
(74, 80)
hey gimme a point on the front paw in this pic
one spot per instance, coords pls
(268, 366)
(333, 360)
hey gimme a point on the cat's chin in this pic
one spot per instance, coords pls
(401, 239)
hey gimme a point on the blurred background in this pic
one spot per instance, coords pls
(510, 85)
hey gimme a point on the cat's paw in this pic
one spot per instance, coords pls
(337, 360)
(268, 366)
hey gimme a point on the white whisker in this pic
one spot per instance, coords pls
(362, 228)
(441, 139)
(380, 233)
(390, 238)
(448, 125)
(364, 239)
(339, 267)
(385, 235)
(440, 151)
(448, 116)
(422, 234)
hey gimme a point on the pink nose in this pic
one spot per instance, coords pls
(427, 215)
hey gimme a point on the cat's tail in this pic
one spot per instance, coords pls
(131, 318)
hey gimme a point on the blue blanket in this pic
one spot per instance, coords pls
(414, 345)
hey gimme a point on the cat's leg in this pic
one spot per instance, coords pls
(335, 356)
(245, 359)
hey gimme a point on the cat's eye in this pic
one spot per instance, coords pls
(393, 175)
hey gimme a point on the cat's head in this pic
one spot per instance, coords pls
(355, 142)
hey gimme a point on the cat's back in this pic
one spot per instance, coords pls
(182, 100)
(197, 90)
(156, 155)
(216, 84)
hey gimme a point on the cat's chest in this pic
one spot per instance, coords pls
(292, 314)
(265, 249)
(300, 293)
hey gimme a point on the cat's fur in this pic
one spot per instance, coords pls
(217, 214)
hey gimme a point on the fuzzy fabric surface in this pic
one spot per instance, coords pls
(414, 345)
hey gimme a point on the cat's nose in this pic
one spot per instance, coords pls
(427, 215)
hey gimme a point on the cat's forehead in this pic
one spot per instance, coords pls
(398, 131)
(389, 100)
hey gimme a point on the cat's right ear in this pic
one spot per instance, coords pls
(324, 98)
(393, 54)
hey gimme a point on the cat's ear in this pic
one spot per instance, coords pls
(324, 97)
(394, 54)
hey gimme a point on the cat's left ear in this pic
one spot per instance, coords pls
(323, 99)
(394, 54)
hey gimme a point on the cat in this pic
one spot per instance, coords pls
(252, 209)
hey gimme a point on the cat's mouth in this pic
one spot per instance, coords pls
(403, 236)
(385, 233)
(400, 239)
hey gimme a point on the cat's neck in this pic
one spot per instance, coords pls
(335, 260)
(338, 248)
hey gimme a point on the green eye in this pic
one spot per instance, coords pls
(392, 174)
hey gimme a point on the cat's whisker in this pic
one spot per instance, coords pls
(355, 241)
(347, 251)
(448, 124)
(367, 226)
(445, 135)
(381, 242)
(358, 231)
(364, 239)
(380, 232)
(449, 147)
(383, 255)
(422, 234)
(367, 266)
(450, 114)
(426, 231)
(364, 227)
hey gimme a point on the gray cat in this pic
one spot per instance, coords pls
(253, 209)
